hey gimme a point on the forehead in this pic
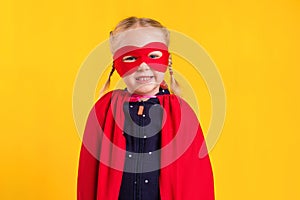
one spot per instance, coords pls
(152, 46)
(137, 37)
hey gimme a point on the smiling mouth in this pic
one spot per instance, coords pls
(144, 79)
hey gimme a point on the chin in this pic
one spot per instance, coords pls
(147, 89)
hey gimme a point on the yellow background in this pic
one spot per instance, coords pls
(255, 45)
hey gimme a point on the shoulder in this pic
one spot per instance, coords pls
(106, 98)
(104, 102)
(171, 98)
(175, 104)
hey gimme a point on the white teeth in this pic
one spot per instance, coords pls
(144, 78)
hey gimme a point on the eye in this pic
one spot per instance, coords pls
(155, 54)
(129, 59)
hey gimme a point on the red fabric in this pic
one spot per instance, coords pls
(141, 54)
(187, 178)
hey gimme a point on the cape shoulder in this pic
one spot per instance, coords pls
(168, 101)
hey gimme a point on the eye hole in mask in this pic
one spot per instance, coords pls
(152, 55)
(155, 54)
(129, 59)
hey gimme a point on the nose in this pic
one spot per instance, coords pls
(143, 67)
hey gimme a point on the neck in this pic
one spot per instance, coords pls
(144, 96)
(137, 97)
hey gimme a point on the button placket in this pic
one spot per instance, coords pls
(140, 182)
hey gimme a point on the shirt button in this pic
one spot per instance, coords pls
(146, 181)
(131, 106)
(129, 155)
(163, 90)
(134, 182)
(144, 115)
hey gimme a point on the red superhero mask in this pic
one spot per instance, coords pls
(128, 58)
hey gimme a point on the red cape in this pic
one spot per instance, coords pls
(183, 175)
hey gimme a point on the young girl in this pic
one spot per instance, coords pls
(142, 143)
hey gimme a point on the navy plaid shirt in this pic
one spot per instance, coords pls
(140, 180)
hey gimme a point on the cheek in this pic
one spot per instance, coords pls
(160, 76)
(128, 80)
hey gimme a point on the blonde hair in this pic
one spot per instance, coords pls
(133, 22)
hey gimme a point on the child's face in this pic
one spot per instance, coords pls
(141, 59)
(144, 80)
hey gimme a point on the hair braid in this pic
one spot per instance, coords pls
(173, 83)
(107, 83)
